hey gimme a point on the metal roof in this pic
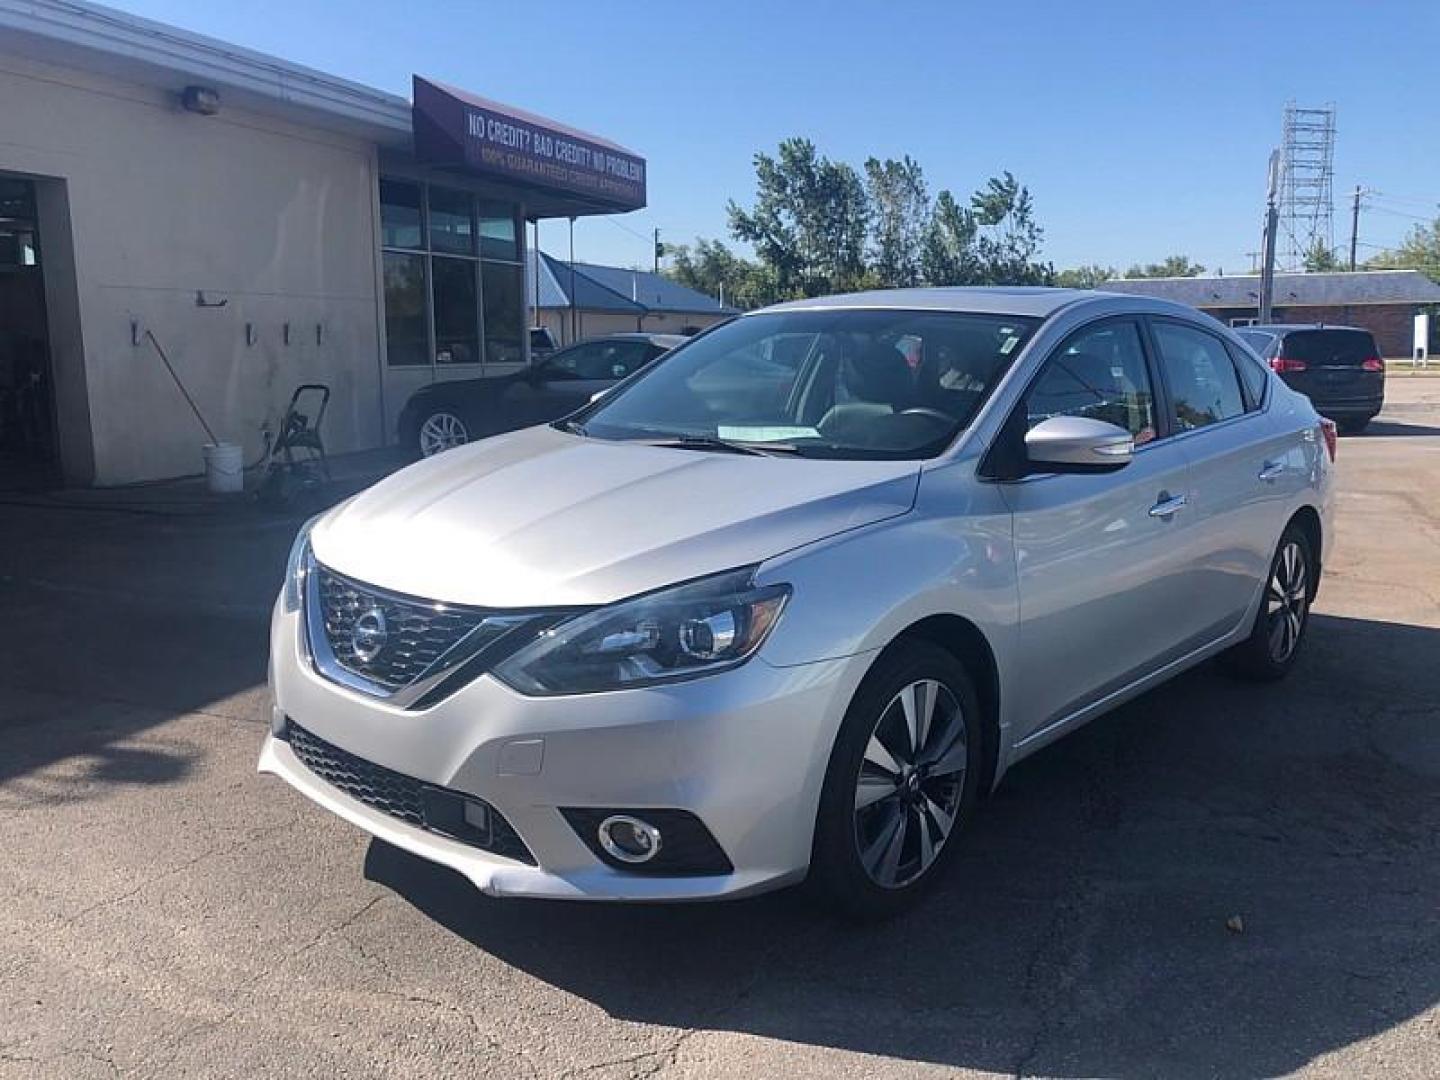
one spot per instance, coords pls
(614, 289)
(1291, 290)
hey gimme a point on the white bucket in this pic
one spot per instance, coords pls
(224, 468)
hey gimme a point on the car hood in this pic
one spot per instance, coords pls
(544, 518)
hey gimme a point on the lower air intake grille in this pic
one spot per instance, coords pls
(426, 806)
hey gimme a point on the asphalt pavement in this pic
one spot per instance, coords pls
(1215, 880)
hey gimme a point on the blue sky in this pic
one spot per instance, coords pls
(1141, 128)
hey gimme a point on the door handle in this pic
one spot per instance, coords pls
(1167, 505)
(1271, 471)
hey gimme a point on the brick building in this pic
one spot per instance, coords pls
(1384, 302)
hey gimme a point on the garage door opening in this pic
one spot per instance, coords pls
(28, 452)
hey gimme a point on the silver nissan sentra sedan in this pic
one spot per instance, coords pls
(787, 602)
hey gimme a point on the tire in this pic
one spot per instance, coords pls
(1354, 425)
(858, 866)
(1275, 639)
(440, 430)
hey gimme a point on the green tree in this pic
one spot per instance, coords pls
(1420, 250)
(1089, 276)
(947, 251)
(808, 224)
(993, 241)
(1009, 237)
(1172, 266)
(713, 269)
(899, 213)
(1320, 259)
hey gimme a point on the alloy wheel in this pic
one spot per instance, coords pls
(442, 431)
(1287, 599)
(911, 779)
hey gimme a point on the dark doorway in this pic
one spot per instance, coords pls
(28, 456)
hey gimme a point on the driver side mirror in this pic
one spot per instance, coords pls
(1077, 444)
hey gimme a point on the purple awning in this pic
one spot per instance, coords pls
(581, 174)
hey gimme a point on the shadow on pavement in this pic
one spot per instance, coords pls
(1390, 428)
(1083, 930)
(116, 623)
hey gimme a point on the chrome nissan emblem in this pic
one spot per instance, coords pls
(369, 635)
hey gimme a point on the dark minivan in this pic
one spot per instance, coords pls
(1338, 368)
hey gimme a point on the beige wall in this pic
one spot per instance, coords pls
(276, 220)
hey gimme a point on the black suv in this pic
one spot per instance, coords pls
(1337, 367)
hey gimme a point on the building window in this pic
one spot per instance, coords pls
(443, 297)
(504, 289)
(399, 214)
(452, 221)
(407, 332)
(499, 237)
(457, 331)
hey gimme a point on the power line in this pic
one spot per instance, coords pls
(1406, 199)
(1402, 213)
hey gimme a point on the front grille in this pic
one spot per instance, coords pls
(426, 806)
(388, 639)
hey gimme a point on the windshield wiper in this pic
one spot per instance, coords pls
(574, 427)
(723, 446)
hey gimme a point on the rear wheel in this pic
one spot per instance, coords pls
(1353, 425)
(441, 430)
(1274, 642)
(903, 779)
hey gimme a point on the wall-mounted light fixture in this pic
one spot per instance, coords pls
(204, 100)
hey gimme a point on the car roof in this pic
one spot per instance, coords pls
(1281, 328)
(1027, 300)
(636, 335)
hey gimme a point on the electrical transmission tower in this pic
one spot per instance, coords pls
(1307, 205)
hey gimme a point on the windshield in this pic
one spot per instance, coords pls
(848, 384)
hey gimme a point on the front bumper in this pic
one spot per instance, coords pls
(745, 751)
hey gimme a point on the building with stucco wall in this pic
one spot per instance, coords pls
(263, 224)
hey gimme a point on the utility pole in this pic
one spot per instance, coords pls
(1267, 246)
(659, 250)
(574, 325)
(1354, 226)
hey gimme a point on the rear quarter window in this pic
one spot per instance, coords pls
(1257, 340)
(1253, 375)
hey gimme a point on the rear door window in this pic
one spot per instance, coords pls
(1203, 384)
(1329, 348)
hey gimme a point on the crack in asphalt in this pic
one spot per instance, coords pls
(240, 990)
(492, 1042)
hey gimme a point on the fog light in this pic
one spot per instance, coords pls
(629, 839)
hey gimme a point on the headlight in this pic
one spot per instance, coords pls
(295, 566)
(677, 633)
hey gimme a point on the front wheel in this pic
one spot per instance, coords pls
(903, 779)
(1274, 642)
(441, 430)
